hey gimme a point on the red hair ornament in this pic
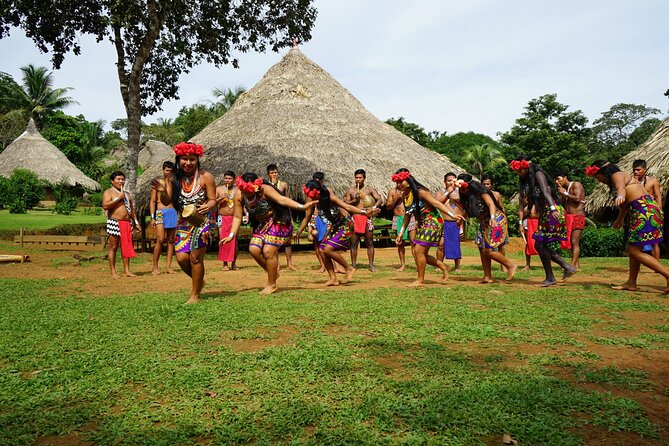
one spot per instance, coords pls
(461, 184)
(313, 194)
(248, 186)
(188, 148)
(399, 177)
(591, 171)
(519, 165)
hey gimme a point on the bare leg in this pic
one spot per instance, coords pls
(656, 251)
(440, 249)
(126, 267)
(336, 256)
(196, 263)
(170, 251)
(487, 266)
(576, 248)
(422, 259)
(289, 257)
(502, 250)
(257, 254)
(509, 266)
(545, 257)
(369, 241)
(401, 252)
(329, 267)
(271, 255)
(111, 256)
(457, 265)
(648, 261)
(433, 261)
(319, 256)
(160, 238)
(354, 249)
(528, 261)
(630, 285)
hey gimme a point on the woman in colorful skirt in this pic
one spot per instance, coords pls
(493, 233)
(340, 230)
(191, 187)
(552, 220)
(274, 228)
(419, 203)
(639, 214)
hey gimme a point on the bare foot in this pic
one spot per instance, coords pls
(547, 283)
(116, 276)
(193, 300)
(665, 292)
(225, 268)
(526, 268)
(416, 284)
(371, 268)
(444, 276)
(321, 269)
(349, 273)
(401, 268)
(235, 268)
(331, 282)
(511, 272)
(457, 270)
(170, 271)
(339, 270)
(486, 280)
(503, 268)
(269, 289)
(568, 273)
(129, 274)
(291, 267)
(625, 287)
(155, 272)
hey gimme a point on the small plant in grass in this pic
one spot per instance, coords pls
(628, 378)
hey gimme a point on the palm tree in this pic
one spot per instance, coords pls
(225, 99)
(36, 96)
(482, 158)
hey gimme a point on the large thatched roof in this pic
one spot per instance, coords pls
(154, 153)
(300, 118)
(31, 151)
(656, 153)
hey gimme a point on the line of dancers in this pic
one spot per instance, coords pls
(421, 218)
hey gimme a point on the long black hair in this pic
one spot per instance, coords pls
(606, 169)
(176, 182)
(280, 213)
(323, 199)
(529, 185)
(415, 186)
(471, 196)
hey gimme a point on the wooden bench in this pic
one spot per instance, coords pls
(60, 242)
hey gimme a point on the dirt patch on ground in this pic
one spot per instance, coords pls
(257, 341)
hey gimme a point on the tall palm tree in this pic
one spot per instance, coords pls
(482, 158)
(225, 99)
(36, 96)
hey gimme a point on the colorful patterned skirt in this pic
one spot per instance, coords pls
(550, 229)
(398, 221)
(644, 222)
(429, 230)
(339, 235)
(493, 237)
(189, 238)
(272, 233)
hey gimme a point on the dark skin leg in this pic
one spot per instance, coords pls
(111, 256)
(637, 258)
(192, 263)
(369, 241)
(576, 247)
(354, 250)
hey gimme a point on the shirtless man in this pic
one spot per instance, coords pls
(652, 186)
(449, 245)
(395, 203)
(120, 218)
(572, 195)
(225, 194)
(164, 220)
(486, 180)
(529, 221)
(363, 196)
(282, 187)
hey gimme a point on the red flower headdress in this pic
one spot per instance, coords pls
(591, 171)
(461, 184)
(188, 148)
(248, 186)
(314, 194)
(399, 177)
(518, 165)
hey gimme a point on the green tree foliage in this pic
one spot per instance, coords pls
(225, 99)
(482, 158)
(556, 138)
(611, 136)
(22, 191)
(413, 131)
(67, 197)
(193, 119)
(454, 146)
(157, 41)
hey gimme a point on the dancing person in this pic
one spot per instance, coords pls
(363, 196)
(529, 222)
(340, 231)
(284, 189)
(493, 232)
(640, 216)
(419, 202)
(395, 203)
(225, 194)
(486, 180)
(552, 225)
(193, 194)
(572, 195)
(449, 245)
(120, 218)
(652, 186)
(164, 220)
(274, 227)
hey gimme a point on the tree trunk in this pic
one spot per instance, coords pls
(134, 114)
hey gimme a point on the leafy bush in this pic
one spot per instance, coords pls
(602, 242)
(22, 191)
(512, 218)
(67, 197)
(93, 210)
(4, 191)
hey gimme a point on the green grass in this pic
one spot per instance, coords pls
(43, 219)
(381, 366)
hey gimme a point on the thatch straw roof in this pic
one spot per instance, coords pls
(32, 152)
(154, 153)
(300, 118)
(656, 153)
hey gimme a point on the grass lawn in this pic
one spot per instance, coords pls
(44, 219)
(370, 363)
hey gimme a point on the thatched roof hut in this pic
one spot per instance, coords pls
(154, 153)
(32, 152)
(656, 153)
(300, 118)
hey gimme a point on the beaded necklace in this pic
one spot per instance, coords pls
(189, 189)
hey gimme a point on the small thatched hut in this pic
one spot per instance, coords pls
(32, 152)
(154, 153)
(656, 153)
(300, 118)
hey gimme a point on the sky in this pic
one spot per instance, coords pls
(446, 65)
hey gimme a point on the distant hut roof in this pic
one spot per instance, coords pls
(656, 153)
(300, 118)
(32, 152)
(154, 153)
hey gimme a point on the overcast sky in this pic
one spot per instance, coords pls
(444, 64)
